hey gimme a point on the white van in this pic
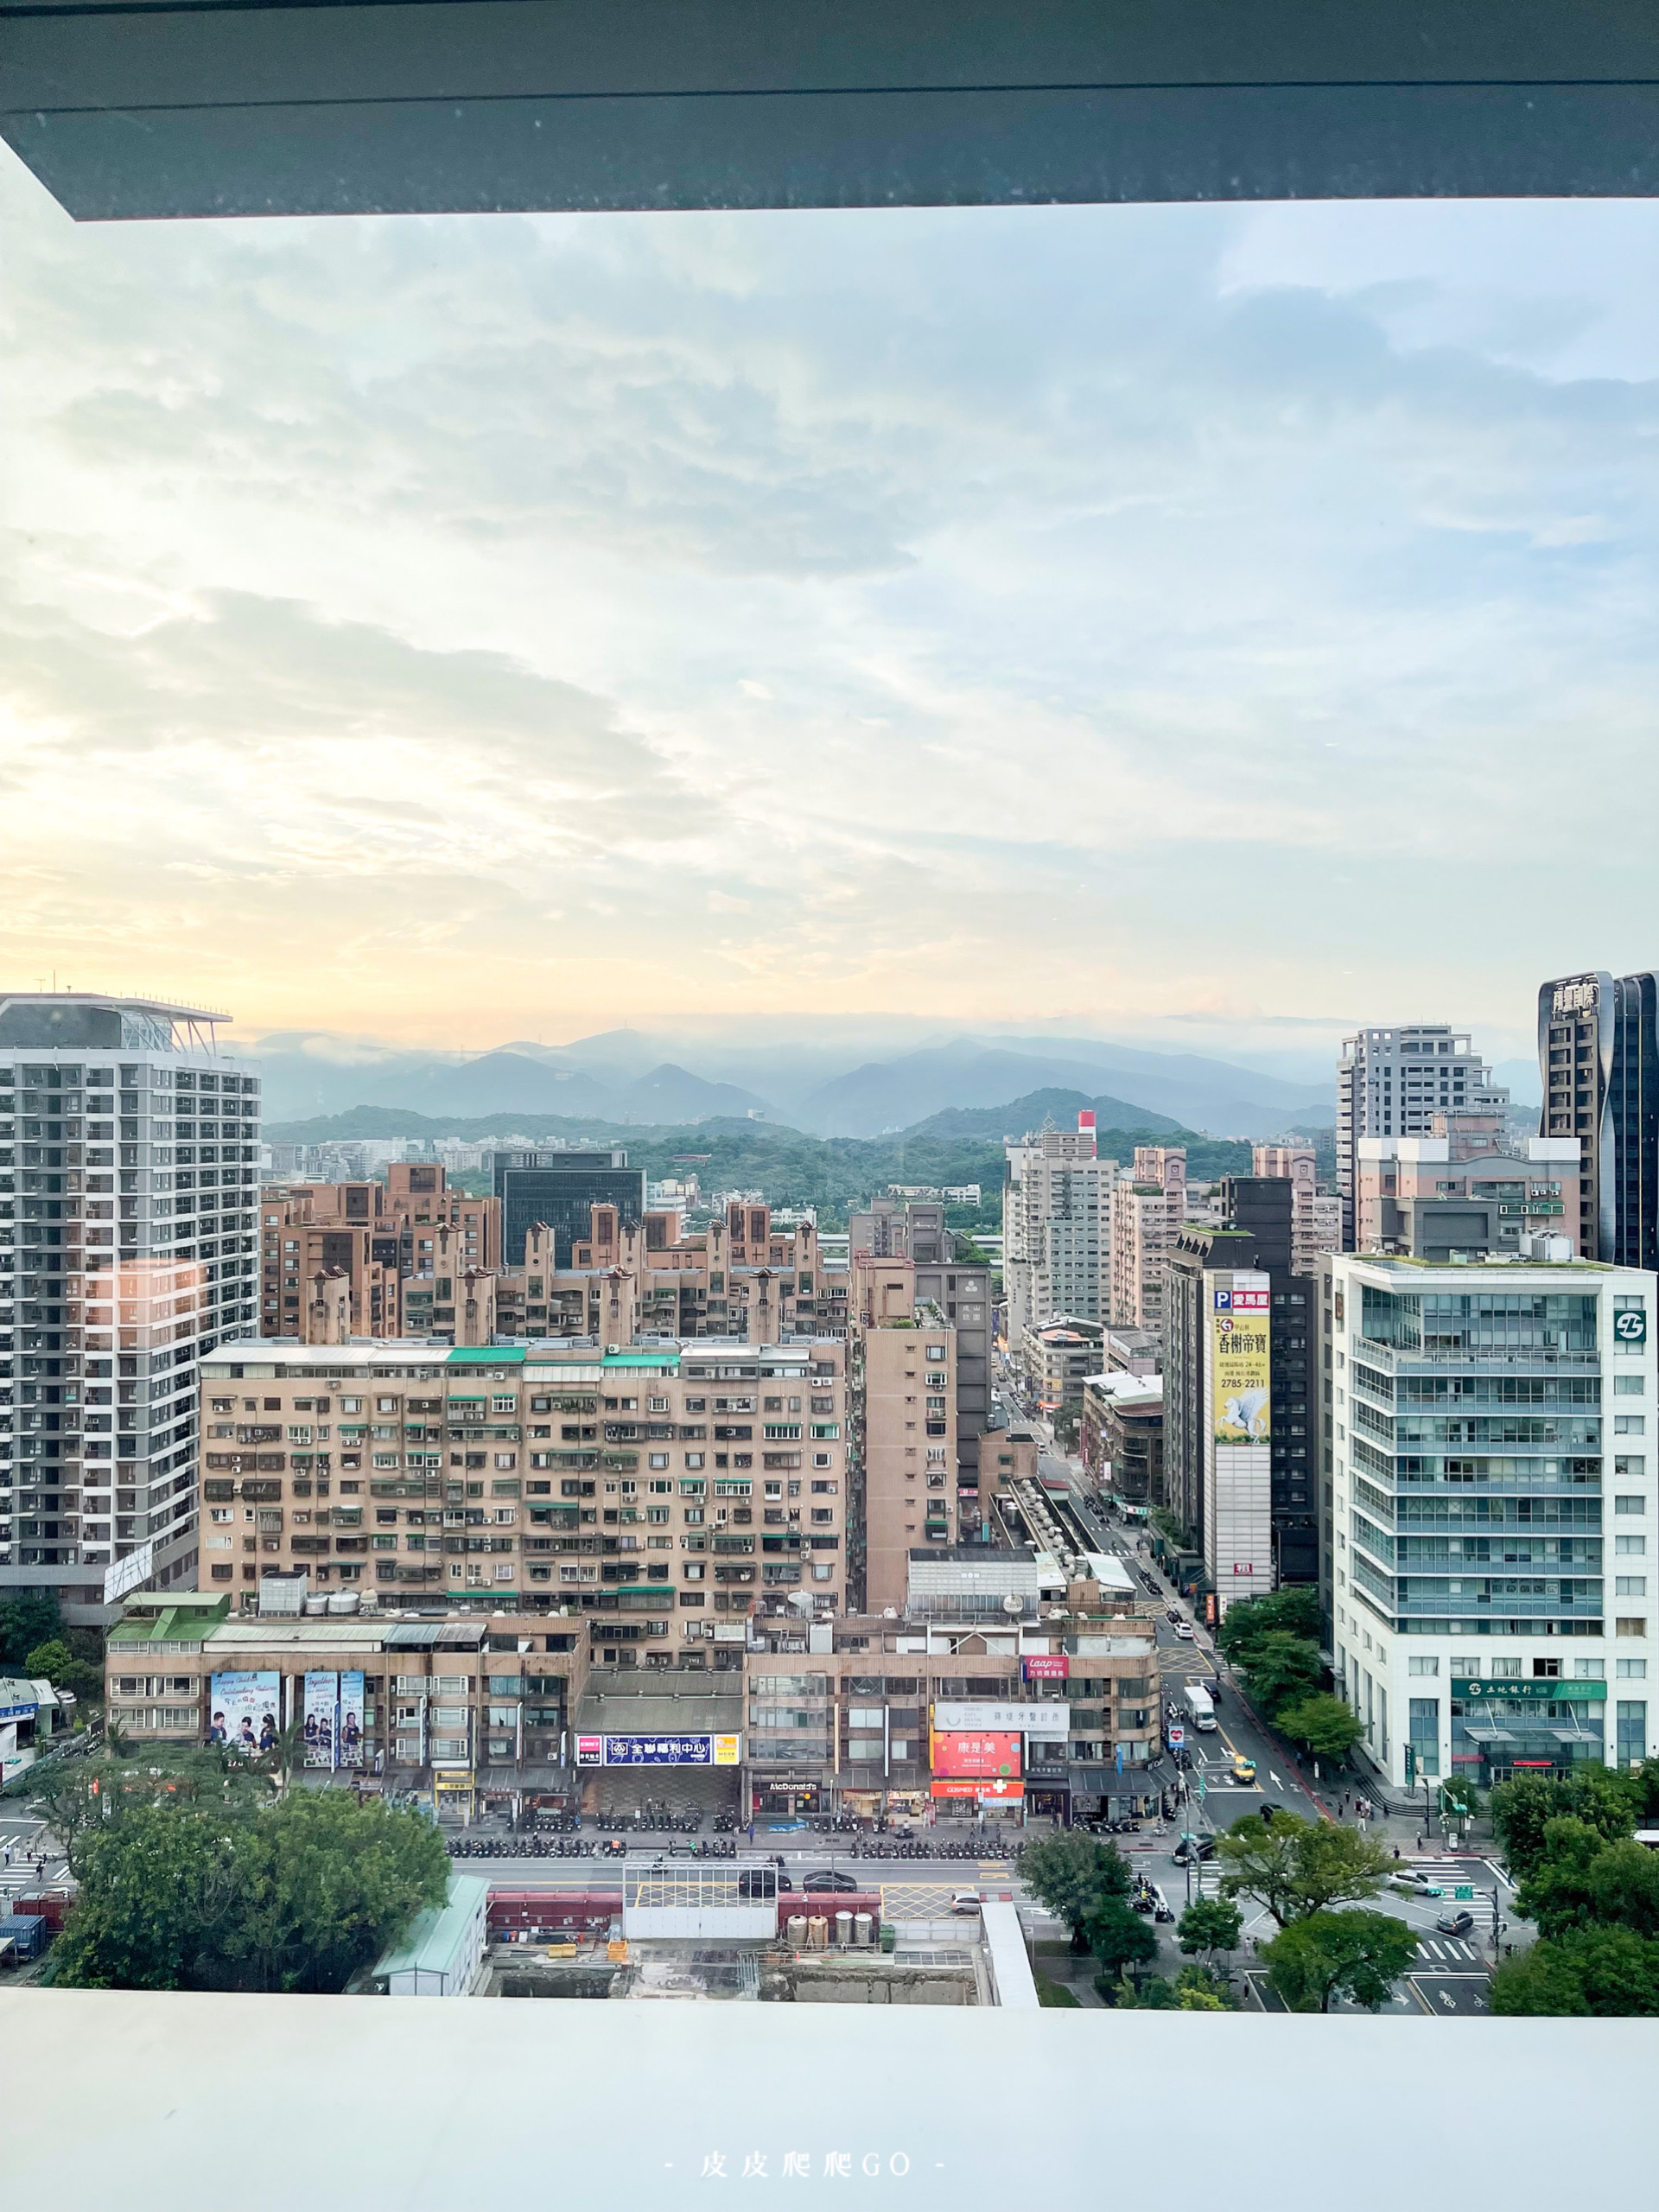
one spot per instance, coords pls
(1200, 1709)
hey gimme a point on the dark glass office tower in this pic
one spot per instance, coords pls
(1598, 1060)
(561, 1189)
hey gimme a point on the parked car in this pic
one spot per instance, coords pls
(825, 1879)
(964, 1901)
(1172, 1615)
(1455, 1924)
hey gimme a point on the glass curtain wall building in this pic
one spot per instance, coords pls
(1490, 1536)
(1598, 1062)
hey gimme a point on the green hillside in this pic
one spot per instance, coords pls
(831, 1173)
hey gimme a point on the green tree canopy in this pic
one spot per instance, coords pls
(1522, 1810)
(1588, 1972)
(1280, 1670)
(1293, 1611)
(1359, 1956)
(1118, 1936)
(1584, 1881)
(1296, 1867)
(26, 1621)
(1071, 1874)
(293, 1895)
(1328, 1725)
(1208, 1925)
(55, 1660)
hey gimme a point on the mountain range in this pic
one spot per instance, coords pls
(810, 1084)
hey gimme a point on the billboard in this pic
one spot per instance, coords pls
(348, 1739)
(994, 1753)
(658, 1751)
(244, 1711)
(1054, 1669)
(1241, 1379)
(321, 1719)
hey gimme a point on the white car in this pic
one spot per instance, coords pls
(964, 1901)
(1183, 1630)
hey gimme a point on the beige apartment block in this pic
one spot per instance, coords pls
(1315, 1215)
(1466, 1188)
(1148, 1210)
(905, 1393)
(664, 1490)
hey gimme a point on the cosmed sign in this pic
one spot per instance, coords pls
(1241, 1375)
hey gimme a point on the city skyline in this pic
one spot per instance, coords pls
(1170, 621)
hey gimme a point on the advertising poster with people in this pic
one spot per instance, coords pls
(321, 1719)
(348, 1735)
(244, 1712)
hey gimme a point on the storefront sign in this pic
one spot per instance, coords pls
(658, 1751)
(995, 1752)
(1050, 1719)
(1531, 1692)
(1055, 1669)
(987, 1793)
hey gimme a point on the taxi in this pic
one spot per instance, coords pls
(1243, 1769)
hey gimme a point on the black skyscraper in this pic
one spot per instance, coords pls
(1598, 1060)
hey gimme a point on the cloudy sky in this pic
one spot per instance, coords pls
(1211, 627)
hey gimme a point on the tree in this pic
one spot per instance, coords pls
(1118, 1936)
(1070, 1875)
(1297, 1867)
(57, 1663)
(1584, 1881)
(1359, 1956)
(294, 1895)
(80, 1798)
(1293, 1611)
(1280, 1670)
(1209, 1925)
(26, 1621)
(1200, 1989)
(1588, 1972)
(1328, 1725)
(1522, 1810)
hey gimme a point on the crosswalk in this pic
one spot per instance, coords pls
(1448, 1951)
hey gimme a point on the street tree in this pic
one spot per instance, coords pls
(1293, 1611)
(1209, 1925)
(1328, 1725)
(1279, 1669)
(1584, 1881)
(1359, 1956)
(55, 1662)
(1071, 1874)
(1295, 1867)
(295, 1894)
(1522, 1810)
(26, 1622)
(1118, 1936)
(1596, 1972)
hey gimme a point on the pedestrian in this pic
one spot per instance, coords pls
(1396, 1851)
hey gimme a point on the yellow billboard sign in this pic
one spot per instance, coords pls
(727, 1749)
(1241, 1377)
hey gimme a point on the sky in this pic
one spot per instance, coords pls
(1213, 626)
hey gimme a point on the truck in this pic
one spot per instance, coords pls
(1200, 1711)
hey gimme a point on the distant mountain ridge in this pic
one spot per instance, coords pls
(629, 1077)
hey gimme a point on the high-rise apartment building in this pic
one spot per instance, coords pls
(401, 1247)
(1466, 1189)
(1057, 1227)
(1490, 1539)
(1598, 1062)
(915, 1229)
(1148, 1206)
(1393, 1082)
(129, 1152)
(905, 1477)
(1315, 1215)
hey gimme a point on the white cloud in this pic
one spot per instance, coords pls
(973, 611)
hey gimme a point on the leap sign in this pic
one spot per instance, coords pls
(1630, 1327)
